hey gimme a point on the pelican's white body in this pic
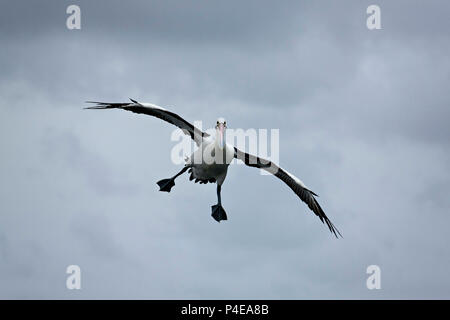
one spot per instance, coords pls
(204, 163)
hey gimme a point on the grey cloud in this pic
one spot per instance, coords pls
(66, 147)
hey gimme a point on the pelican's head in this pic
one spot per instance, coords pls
(221, 126)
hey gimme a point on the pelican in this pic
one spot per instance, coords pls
(213, 167)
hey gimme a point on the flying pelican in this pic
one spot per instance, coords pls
(213, 167)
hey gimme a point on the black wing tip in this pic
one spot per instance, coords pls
(98, 105)
(323, 217)
(134, 101)
(101, 103)
(333, 229)
(107, 105)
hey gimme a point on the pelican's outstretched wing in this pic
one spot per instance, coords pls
(292, 181)
(155, 111)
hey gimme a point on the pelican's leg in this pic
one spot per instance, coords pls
(167, 184)
(218, 212)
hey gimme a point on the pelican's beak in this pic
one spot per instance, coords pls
(221, 137)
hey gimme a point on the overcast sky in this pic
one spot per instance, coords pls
(363, 118)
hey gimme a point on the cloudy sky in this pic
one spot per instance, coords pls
(363, 119)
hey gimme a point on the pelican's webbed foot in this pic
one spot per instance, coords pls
(218, 213)
(166, 184)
